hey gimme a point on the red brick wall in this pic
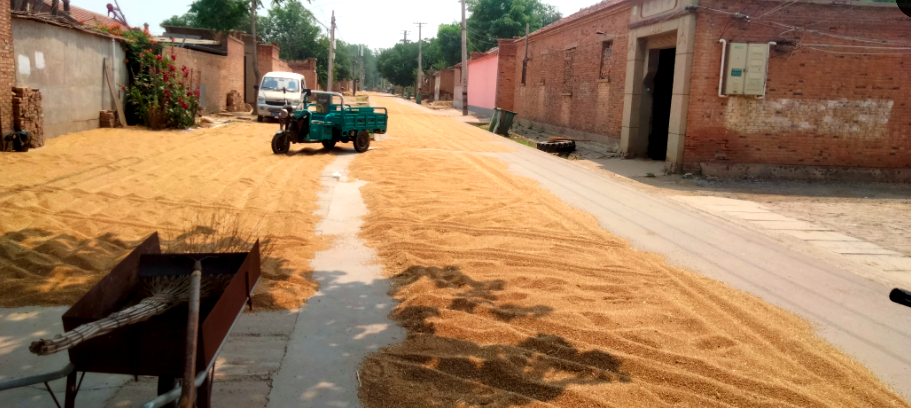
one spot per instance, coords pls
(506, 74)
(7, 69)
(446, 82)
(219, 74)
(307, 68)
(834, 108)
(594, 106)
(232, 72)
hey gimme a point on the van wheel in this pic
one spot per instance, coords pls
(329, 144)
(362, 142)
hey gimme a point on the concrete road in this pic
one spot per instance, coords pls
(851, 312)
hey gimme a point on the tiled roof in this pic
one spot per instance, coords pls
(81, 14)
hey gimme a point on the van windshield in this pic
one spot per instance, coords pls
(273, 83)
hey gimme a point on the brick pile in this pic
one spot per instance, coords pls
(27, 114)
(109, 119)
(235, 102)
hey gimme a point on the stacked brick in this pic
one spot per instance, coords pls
(236, 102)
(27, 114)
(109, 119)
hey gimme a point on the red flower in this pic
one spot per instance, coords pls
(167, 94)
(173, 57)
(166, 77)
(158, 58)
(123, 87)
(171, 68)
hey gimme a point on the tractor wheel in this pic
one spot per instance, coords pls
(329, 144)
(280, 144)
(259, 118)
(362, 142)
(561, 146)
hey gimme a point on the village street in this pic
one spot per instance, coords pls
(517, 278)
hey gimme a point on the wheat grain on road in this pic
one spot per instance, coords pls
(70, 210)
(512, 297)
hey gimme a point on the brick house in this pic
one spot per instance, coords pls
(307, 68)
(806, 89)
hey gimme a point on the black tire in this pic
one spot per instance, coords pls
(259, 118)
(280, 144)
(362, 141)
(329, 144)
(560, 146)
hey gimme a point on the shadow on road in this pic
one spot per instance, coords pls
(431, 369)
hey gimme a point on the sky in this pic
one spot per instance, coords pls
(375, 23)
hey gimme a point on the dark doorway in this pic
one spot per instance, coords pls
(661, 104)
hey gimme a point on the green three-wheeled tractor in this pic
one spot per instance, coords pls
(320, 120)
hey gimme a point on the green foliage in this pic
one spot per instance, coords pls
(493, 19)
(161, 96)
(449, 44)
(399, 64)
(293, 28)
(184, 20)
(218, 15)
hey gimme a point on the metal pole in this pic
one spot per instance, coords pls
(420, 89)
(464, 64)
(331, 52)
(525, 60)
(255, 43)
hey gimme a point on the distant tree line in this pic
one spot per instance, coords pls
(290, 25)
(490, 20)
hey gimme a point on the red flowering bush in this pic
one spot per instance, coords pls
(160, 96)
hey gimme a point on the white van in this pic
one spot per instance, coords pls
(274, 89)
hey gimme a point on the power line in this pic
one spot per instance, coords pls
(797, 28)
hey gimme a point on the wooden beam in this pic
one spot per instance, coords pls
(108, 76)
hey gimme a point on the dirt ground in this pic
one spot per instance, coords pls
(72, 209)
(513, 298)
(874, 212)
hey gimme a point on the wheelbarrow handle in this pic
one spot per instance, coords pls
(900, 296)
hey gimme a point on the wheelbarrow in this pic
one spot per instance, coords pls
(155, 347)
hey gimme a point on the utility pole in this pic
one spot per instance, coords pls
(405, 41)
(419, 92)
(253, 4)
(525, 60)
(331, 51)
(464, 64)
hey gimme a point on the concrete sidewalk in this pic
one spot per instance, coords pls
(347, 318)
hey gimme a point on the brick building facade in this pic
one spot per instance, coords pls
(643, 75)
(7, 68)
(307, 68)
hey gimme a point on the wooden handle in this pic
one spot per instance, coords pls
(189, 371)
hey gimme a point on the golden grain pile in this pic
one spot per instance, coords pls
(513, 298)
(70, 211)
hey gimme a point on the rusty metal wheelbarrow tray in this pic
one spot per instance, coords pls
(154, 347)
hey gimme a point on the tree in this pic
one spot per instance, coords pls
(293, 28)
(399, 64)
(493, 19)
(218, 15)
(449, 44)
(185, 20)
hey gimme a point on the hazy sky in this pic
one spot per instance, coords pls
(378, 24)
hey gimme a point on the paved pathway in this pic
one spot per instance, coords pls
(347, 319)
(850, 311)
